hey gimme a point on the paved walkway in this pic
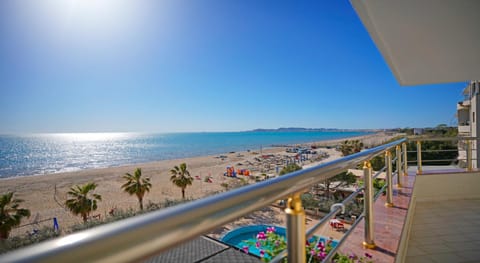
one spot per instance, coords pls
(445, 231)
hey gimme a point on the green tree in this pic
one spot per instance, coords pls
(290, 168)
(10, 214)
(350, 147)
(136, 185)
(82, 201)
(181, 177)
(340, 180)
(408, 131)
(308, 201)
(377, 183)
(434, 150)
(378, 162)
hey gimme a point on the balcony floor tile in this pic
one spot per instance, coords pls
(456, 239)
(387, 227)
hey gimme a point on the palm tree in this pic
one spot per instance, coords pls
(181, 177)
(82, 203)
(10, 214)
(350, 147)
(136, 185)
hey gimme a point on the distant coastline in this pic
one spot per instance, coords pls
(299, 129)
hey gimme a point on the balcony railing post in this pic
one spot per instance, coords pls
(398, 153)
(388, 165)
(469, 155)
(295, 229)
(419, 157)
(405, 162)
(368, 205)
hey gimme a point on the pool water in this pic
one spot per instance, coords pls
(242, 236)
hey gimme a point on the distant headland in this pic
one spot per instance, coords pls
(299, 129)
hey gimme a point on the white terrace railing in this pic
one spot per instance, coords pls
(144, 236)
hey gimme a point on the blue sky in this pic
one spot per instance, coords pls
(168, 66)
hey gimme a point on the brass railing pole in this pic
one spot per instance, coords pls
(419, 157)
(388, 165)
(398, 153)
(469, 155)
(405, 162)
(368, 205)
(295, 229)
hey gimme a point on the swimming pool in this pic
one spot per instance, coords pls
(237, 237)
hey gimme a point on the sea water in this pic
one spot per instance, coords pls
(38, 154)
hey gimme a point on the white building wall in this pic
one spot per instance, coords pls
(474, 123)
(470, 106)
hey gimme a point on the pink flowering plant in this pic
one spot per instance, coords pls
(269, 244)
(352, 258)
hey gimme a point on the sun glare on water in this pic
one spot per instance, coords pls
(93, 136)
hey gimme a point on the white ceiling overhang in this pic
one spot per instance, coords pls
(425, 41)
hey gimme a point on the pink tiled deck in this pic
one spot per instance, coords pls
(388, 225)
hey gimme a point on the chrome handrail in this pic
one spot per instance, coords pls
(143, 236)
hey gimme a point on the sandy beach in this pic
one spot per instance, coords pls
(44, 195)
